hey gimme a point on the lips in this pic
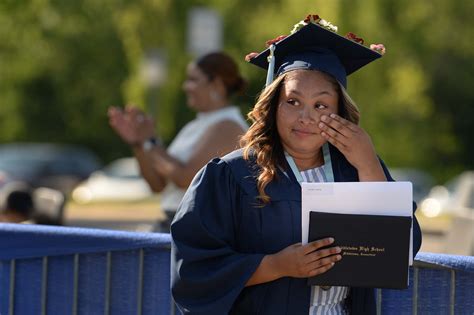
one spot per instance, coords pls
(304, 132)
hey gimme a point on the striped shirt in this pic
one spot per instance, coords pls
(329, 301)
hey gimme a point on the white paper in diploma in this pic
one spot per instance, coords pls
(379, 198)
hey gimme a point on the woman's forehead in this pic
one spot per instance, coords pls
(308, 80)
(194, 70)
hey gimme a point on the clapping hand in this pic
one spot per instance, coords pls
(131, 124)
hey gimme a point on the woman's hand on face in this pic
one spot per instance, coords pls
(131, 124)
(351, 140)
(302, 261)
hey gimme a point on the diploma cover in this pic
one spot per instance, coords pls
(375, 249)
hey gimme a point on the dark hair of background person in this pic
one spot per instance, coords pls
(20, 202)
(219, 64)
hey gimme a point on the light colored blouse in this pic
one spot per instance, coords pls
(182, 147)
(330, 301)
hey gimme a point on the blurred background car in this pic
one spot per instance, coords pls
(55, 166)
(454, 197)
(47, 172)
(421, 180)
(3, 178)
(448, 211)
(118, 181)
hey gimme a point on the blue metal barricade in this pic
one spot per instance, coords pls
(60, 270)
(63, 270)
(439, 284)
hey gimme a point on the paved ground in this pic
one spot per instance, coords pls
(130, 216)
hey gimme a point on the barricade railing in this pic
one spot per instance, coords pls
(64, 270)
(438, 284)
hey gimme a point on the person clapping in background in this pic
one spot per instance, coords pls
(211, 82)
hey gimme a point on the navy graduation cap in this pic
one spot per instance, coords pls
(314, 45)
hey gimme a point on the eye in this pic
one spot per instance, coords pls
(292, 101)
(320, 106)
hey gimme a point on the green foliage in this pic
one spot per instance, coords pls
(63, 63)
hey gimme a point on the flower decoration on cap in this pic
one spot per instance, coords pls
(353, 37)
(251, 55)
(314, 44)
(380, 48)
(311, 18)
(268, 43)
(315, 19)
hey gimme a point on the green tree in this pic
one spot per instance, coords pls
(62, 63)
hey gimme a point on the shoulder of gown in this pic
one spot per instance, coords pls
(207, 274)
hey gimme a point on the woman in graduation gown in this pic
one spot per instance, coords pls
(236, 239)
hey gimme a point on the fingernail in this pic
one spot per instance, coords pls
(324, 117)
(331, 240)
(321, 125)
(339, 257)
(333, 115)
(338, 249)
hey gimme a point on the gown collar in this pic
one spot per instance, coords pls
(327, 167)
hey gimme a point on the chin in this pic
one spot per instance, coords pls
(310, 144)
(305, 149)
(312, 150)
(309, 148)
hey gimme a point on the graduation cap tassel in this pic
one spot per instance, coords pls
(271, 65)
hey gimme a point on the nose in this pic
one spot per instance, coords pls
(307, 116)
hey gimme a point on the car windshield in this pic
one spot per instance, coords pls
(26, 159)
(21, 167)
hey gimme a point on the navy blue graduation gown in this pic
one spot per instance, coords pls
(220, 235)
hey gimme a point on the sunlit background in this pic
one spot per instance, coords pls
(63, 63)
